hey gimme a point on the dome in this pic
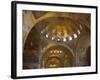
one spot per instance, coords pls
(61, 29)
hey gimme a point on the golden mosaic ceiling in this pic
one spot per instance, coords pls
(55, 39)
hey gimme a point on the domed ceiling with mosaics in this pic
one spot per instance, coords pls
(56, 39)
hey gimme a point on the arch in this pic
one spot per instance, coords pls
(60, 53)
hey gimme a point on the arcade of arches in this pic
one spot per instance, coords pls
(56, 39)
